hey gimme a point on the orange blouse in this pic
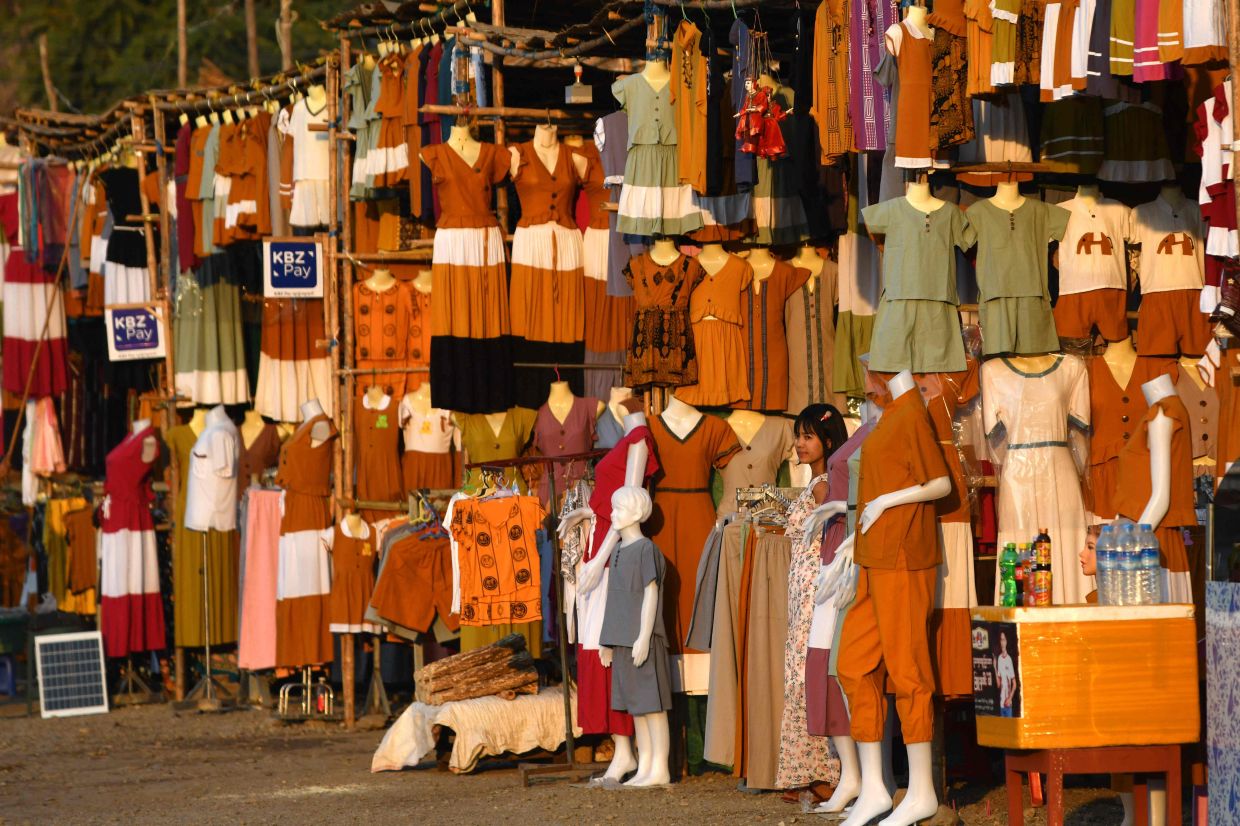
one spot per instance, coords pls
(546, 196)
(465, 190)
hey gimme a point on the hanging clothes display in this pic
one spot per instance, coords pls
(126, 278)
(34, 311)
(257, 643)
(311, 206)
(428, 439)
(715, 311)
(484, 442)
(377, 428)
(304, 578)
(384, 323)
(294, 364)
(210, 351)
(764, 333)
(662, 352)
(354, 552)
(130, 605)
(758, 462)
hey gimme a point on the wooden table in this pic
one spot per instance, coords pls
(1139, 761)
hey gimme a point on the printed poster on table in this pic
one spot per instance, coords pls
(135, 333)
(292, 268)
(996, 669)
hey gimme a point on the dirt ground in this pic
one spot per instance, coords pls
(150, 764)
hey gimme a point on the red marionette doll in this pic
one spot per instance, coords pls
(758, 126)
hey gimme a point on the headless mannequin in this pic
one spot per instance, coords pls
(321, 431)
(656, 74)
(918, 193)
(1007, 196)
(316, 97)
(1088, 194)
(591, 573)
(916, 17)
(615, 402)
(150, 448)
(680, 418)
(560, 401)
(746, 424)
(547, 146)
(251, 427)
(921, 800)
(664, 251)
(763, 264)
(1172, 194)
(197, 422)
(1034, 364)
(807, 258)
(381, 281)
(1160, 452)
(1188, 367)
(712, 258)
(462, 142)
(420, 399)
(422, 283)
(651, 730)
(355, 525)
(1121, 360)
(496, 421)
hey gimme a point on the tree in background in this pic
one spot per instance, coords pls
(100, 52)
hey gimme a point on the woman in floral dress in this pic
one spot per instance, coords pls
(806, 760)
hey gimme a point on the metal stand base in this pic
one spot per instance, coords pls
(376, 696)
(133, 690)
(572, 770)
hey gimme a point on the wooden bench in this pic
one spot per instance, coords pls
(1140, 761)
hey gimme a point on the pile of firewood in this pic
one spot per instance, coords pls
(504, 669)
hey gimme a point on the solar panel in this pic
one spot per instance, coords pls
(71, 674)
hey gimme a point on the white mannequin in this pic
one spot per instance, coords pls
(197, 422)
(560, 401)
(1172, 194)
(712, 258)
(656, 74)
(680, 418)
(150, 447)
(763, 264)
(591, 573)
(1160, 452)
(616, 397)
(918, 193)
(381, 281)
(316, 97)
(1088, 194)
(321, 430)
(547, 146)
(664, 251)
(807, 258)
(463, 143)
(630, 506)
(422, 282)
(1007, 196)
(916, 17)
(420, 399)
(746, 424)
(837, 580)
(1121, 360)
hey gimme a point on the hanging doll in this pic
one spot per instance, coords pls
(758, 125)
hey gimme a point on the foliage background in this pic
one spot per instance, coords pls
(104, 50)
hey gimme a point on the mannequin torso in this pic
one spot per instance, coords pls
(746, 424)
(197, 423)
(680, 418)
(381, 280)
(252, 427)
(321, 431)
(807, 258)
(1033, 364)
(422, 283)
(1007, 196)
(763, 264)
(1121, 360)
(656, 74)
(664, 251)
(712, 258)
(150, 448)
(1088, 194)
(614, 403)
(919, 196)
(420, 399)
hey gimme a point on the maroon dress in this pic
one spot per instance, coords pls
(576, 434)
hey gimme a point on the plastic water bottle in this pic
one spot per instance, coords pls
(1105, 553)
(1007, 575)
(1151, 567)
(1129, 565)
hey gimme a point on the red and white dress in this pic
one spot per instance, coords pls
(29, 289)
(131, 608)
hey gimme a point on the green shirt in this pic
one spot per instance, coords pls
(1011, 247)
(919, 255)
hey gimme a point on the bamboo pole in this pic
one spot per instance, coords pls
(49, 88)
(497, 95)
(251, 39)
(284, 34)
(182, 46)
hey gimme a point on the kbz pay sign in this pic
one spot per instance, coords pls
(292, 268)
(135, 333)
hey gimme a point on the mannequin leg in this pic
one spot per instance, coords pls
(920, 801)
(1125, 800)
(1158, 801)
(623, 761)
(850, 776)
(641, 729)
(874, 799)
(654, 754)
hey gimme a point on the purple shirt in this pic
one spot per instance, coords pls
(868, 102)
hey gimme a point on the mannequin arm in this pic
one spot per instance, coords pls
(650, 604)
(936, 488)
(838, 580)
(822, 514)
(572, 519)
(592, 573)
(1160, 471)
(604, 655)
(635, 465)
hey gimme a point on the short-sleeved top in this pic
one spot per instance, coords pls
(211, 500)
(305, 467)
(262, 453)
(429, 432)
(902, 451)
(1115, 411)
(1091, 253)
(719, 295)
(1134, 484)
(663, 287)
(632, 568)
(1011, 247)
(758, 462)
(1172, 252)
(919, 248)
(484, 445)
(464, 190)
(310, 156)
(610, 470)
(1203, 411)
(546, 196)
(573, 435)
(687, 463)
(383, 321)
(651, 117)
(594, 186)
(765, 336)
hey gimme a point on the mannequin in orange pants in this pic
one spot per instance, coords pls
(885, 632)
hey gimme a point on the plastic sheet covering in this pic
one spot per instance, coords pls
(1223, 694)
(1098, 676)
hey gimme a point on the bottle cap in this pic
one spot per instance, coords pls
(1107, 528)
(1146, 527)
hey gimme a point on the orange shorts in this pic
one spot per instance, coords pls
(1076, 314)
(1171, 324)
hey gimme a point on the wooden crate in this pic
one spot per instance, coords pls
(1094, 676)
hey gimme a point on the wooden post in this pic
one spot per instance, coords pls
(348, 677)
(1233, 55)
(497, 101)
(251, 39)
(49, 88)
(182, 47)
(284, 34)
(348, 274)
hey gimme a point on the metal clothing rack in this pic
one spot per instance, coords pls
(570, 767)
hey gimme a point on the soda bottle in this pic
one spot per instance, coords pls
(1026, 564)
(1018, 573)
(1042, 569)
(1151, 567)
(1008, 563)
(1105, 556)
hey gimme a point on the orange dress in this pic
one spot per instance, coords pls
(353, 578)
(608, 318)
(723, 363)
(661, 348)
(765, 337)
(377, 430)
(388, 162)
(683, 512)
(470, 316)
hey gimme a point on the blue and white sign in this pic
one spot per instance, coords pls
(292, 268)
(135, 333)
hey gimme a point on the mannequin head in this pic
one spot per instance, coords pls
(819, 430)
(1088, 555)
(630, 505)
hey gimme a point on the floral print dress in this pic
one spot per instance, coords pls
(803, 758)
